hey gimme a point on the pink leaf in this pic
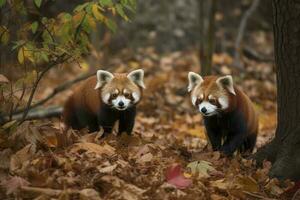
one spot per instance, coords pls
(175, 177)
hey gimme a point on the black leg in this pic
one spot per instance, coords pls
(237, 134)
(213, 132)
(231, 144)
(127, 119)
(106, 119)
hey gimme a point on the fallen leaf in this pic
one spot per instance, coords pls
(201, 167)
(89, 194)
(174, 176)
(247, 183)
(23, 155)
(3, 79)
(14, 184)
(273, 187)
(145, 158)
(94, 148)
(220, 184)
(107, 169)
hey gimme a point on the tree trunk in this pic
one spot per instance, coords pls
(284, 150)
(207, 10)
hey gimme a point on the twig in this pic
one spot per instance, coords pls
(57, 90)
(241, 32)
(257, 196)
(296, 194)
(78, 29)
(40, 76)
(46, 191)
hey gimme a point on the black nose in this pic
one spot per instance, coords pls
(121, 103)
(203, 110)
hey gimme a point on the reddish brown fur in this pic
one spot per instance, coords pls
(240, 101)
(240, 111)
(86, 98)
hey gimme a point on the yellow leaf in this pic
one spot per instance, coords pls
(201, 167)
(96, 12)
(21, 55)
(198, 131)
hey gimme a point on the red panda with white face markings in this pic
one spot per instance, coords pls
(229, 117)
(104, 99)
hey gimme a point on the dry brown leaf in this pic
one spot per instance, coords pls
(89, 194)
(3, 79)
(127, 190)
(94, 148)
(14, 184)
(145, 158)
(107, 169)
(220, 184)
(21, 157)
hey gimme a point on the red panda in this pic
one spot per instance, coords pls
(104, 99)
(229, 117)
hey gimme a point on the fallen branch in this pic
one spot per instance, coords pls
(241, 32)
(52, 111)
(38, 113)
(58, 89)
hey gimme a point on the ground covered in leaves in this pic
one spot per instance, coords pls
(167, 157)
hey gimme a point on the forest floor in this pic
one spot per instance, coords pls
(167, 157)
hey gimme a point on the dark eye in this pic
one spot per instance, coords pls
(127, 95)
(199, 100)
(212, 101)
(114, 95)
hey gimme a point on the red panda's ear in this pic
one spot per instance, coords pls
(227, 83)
(194, 79)
(137, 76)
(103, 77)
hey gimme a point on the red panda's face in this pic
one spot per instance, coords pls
(212, 94)
(120, 91)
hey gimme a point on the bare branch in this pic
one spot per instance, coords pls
(40, 76)
(241, 32)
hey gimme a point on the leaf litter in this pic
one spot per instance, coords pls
(166, 157)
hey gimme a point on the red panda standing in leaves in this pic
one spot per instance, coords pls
(230, 120)
(104, 99)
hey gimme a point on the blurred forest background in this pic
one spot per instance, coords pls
(47, 47)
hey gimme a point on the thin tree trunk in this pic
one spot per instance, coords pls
(284, 150)
(207, 10)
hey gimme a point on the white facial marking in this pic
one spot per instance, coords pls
(136, 97)
(105, 98)
(121, 99)
(194, 99)
(201, 96)
(209, 108)
(224, 102)
(210, 97)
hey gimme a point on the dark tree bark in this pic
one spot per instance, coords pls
(284, 150)
(207, 11)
